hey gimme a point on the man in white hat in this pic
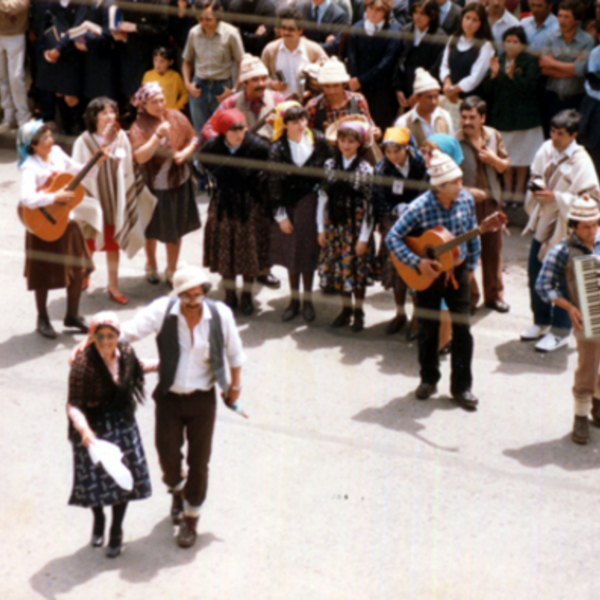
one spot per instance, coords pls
(556, 285)
(194, 336)
(426, 117)
(256, 101)
(336, 101)
(447, 204)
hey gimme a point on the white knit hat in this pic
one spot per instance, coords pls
(188, 277)
(584, 209)
(333, 71)
(442, 169)
(252, 66)
(424, 82)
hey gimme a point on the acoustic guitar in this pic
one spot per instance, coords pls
(439, 244)
(50, 222)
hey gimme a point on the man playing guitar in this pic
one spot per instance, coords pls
(449, 205)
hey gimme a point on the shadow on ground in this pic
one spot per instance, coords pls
(404, 414)
(141, 562)
(516, 357)
(562, 452)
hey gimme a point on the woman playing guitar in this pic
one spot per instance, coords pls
(65, 262)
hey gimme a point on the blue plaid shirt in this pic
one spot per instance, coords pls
(551, 284)
(426, 212)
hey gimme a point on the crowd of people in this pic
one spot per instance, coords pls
(329, 135)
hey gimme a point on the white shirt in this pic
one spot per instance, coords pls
(568, 151)
(479, 68)
(502, 24)
(371, 29)
(365, 229)
(418, 36)
(35, 173)
(427, 128)
(290, 64)
(193, 369)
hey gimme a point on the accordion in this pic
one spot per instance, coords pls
(587, 280)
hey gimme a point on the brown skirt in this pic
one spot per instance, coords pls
(54, 265)
(234, 248)
(298, 252)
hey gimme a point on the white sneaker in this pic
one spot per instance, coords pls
(535, 332)
(551, 342)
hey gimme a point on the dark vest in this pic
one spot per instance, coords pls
(167, 342)
(460, 64)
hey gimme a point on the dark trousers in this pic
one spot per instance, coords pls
(543, 313)
(457, 300)
(491, 259)
(193, 415)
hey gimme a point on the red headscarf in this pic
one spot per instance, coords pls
(224, 120)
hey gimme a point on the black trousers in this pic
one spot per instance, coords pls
(458, 303)
(192, 415)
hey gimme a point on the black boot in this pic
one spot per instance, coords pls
(45, 329)
(246, 305)
(292, 310)
(343, 318)
(186, 537)
(359, 320)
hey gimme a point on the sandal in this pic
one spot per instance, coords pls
(152, 276)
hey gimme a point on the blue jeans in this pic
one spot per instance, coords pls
(544, 314)
(202, 108)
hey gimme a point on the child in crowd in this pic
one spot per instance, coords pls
(405, 166)
(170, 80)
(345, 222)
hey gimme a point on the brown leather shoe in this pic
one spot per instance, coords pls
(186, 537)
(425, 390)
(595, 414)
(581, 430)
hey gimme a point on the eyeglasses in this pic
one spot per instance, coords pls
(109, 337)
(186, 299)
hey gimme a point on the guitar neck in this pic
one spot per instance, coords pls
(86, 169)
(457, 241)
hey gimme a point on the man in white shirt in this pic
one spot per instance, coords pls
(500, 19)
(426, 118)
(194, 335)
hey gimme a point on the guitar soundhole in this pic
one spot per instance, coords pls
(429, 252)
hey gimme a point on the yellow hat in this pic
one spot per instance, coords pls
(397, 135)
(280, 111)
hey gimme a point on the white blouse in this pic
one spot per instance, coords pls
(479, 68)
(35, 173)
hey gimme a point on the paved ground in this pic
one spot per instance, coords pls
(340, 486)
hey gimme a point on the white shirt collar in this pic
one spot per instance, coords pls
(415, 116)
(299, 48)
(176, 310)
(371, 29)
(404, 169)
(347, 161)
(419, 36)
(568, 151)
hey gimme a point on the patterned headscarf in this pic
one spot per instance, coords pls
(145, 93)
(358, 127)
(105, 318)
(25, 135)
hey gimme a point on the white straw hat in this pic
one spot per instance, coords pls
(188, 277)
(442, 169)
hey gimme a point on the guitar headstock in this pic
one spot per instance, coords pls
(494, 222)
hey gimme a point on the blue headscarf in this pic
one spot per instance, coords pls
(448, 145)
(26, 133)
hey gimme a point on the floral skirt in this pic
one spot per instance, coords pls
(233, 247)
(339, 266)
(92, 485)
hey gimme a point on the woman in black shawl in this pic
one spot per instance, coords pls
(236, 240)
(106, 383)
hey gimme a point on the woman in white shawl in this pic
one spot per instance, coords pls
(118, 206)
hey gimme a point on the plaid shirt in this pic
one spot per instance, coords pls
(551, 284)
(426, 212)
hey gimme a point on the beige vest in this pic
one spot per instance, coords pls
(266, 131)
(439, 125)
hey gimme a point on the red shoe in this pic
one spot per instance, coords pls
(120, 299)
(86, 284)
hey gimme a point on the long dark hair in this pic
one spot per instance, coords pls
(484, 33)
(431, 10)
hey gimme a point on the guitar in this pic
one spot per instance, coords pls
(439, 244)
(50, 222)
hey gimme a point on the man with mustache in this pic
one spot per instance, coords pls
(256, 102)
(485, 160)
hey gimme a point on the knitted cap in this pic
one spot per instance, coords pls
(224, 120)
(252, 66)
(333, 71)
(424, 82)
(442, 169)
(396, 135)
(584, 209)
